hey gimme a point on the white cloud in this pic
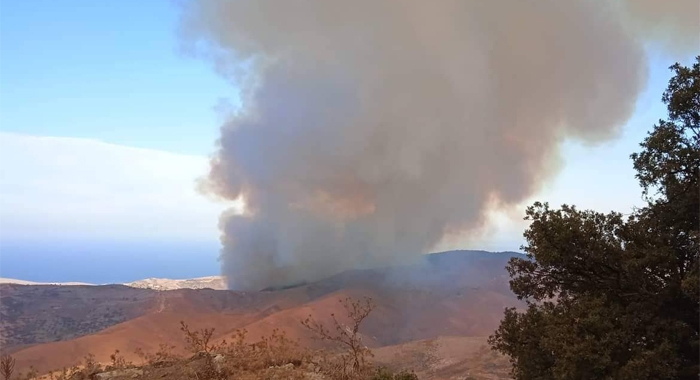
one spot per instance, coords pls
(87, 189)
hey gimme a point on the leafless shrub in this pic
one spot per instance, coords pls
(198, 341)
(117, 361)
(7, 366)
(91, 366)
(165, 355)
(354, 363)
(278, 350)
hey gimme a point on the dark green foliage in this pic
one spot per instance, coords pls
(385, 374)
(613, 297)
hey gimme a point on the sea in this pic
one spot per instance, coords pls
(106, 262)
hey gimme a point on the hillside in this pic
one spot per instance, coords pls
(446, 357)
(31, 314)
(460, 294)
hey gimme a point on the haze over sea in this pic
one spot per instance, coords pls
(106, 262)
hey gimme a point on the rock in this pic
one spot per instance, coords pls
(120, 373)
(285, 366)
(312, 367)
(219, 362)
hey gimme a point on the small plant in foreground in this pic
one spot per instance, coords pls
(7, 366)
(117, 361)
(354, 362)
(31, 374)
(198, 341)
(165, 354)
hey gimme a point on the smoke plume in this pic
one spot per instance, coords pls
(372, 129)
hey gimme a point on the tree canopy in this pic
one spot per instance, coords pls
(611, 296)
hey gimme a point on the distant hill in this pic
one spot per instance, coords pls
(210, 282)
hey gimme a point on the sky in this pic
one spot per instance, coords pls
(106, 123)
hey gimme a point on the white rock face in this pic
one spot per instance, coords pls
(210, 282)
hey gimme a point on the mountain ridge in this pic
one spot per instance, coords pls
(218, 282)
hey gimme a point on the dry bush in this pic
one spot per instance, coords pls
(354, 362)
(90, 368)
(278, 350)
(238, 351)
(32, 373)
(385, 374)
(200, 344)
(273, 356)
(7, 366)
(165, 355)
(117, 361)
(198, 341)
(87, 371)
(66, 374)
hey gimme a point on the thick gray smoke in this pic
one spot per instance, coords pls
(371, 129)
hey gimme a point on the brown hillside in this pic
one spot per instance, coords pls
(446, 358)
(458, 294)
(31, 314)
(222, 310)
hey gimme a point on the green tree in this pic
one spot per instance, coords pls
(615, 297)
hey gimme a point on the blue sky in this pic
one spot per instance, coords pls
(105, 70)
(104, 122)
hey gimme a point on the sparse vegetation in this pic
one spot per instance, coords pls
(354, 361)
(165, 354)
(32, 373)
(85, 371)
(91, 366)
(118, 361)
(198, 341)
(44, 321)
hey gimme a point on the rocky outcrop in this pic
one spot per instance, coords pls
(126, 373)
